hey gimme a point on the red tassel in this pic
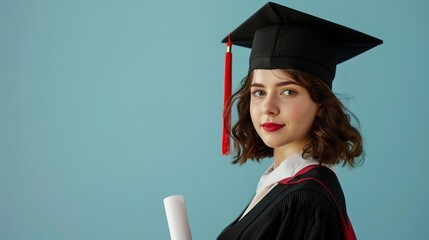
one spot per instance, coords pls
(226, 99)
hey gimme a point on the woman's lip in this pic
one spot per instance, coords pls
(272, 127)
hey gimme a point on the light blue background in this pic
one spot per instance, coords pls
(107, 107)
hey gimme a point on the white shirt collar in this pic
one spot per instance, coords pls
(287, 168)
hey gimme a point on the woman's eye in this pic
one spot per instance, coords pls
(289, 92)
(257, 93)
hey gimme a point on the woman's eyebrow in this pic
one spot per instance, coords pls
(256, 85)
(279, 84)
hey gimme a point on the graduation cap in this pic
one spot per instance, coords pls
(284, 38)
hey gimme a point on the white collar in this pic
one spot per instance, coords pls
(287, 168)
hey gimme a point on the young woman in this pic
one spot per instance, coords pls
(287, 111)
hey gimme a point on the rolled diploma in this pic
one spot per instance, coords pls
(177, 218)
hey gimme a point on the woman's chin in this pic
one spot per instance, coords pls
(272, 143)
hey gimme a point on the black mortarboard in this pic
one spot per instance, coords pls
(281, 37)
(284, 38)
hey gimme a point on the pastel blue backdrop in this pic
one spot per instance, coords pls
(107, 107)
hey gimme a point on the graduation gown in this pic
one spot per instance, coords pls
(296, 209)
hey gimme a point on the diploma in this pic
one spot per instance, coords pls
(177, 218)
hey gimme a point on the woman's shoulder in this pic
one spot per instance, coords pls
(320, 179)
(308, 194)
(317, 188)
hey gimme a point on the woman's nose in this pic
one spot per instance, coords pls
(270, 105)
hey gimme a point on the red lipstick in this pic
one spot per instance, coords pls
(272, 127)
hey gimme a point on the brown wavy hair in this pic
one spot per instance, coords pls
(332, 139)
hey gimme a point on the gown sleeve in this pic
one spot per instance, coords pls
(302, 215)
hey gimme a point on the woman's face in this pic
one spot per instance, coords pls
(282, 112)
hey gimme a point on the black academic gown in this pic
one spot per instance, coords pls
(305, 210)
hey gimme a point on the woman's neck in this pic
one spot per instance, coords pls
(284, 152)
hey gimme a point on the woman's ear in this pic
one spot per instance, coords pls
(319, 111)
